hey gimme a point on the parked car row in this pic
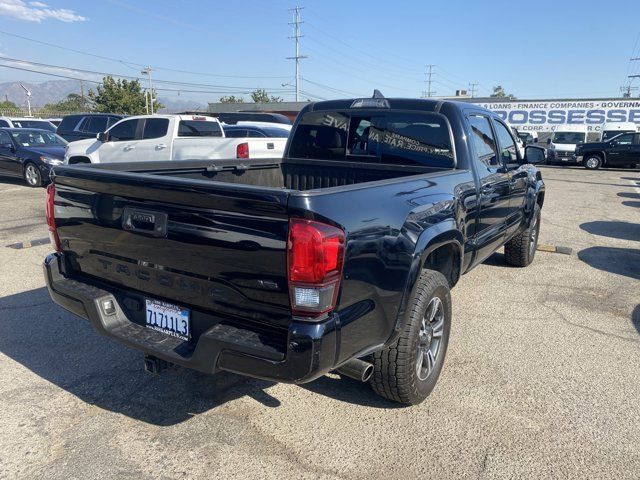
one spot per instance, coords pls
(29, 147)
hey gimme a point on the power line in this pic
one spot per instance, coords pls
(136, 66)
(296, 37)
(327, 87)
(129, 77)
(178, 90)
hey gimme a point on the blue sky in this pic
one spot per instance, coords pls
(540, 49)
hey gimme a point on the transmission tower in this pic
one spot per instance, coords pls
(296, 37)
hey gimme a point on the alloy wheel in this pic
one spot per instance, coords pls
(430, 338)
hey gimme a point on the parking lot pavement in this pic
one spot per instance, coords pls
(542, 378)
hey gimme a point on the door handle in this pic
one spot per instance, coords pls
(128, 147)
(160, 146)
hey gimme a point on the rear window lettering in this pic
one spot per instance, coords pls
(382, 137)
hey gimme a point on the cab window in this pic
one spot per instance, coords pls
(508, 149)
(484, 140)
(123, 131)
(624, 139)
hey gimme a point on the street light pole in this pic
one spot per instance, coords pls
(147, 71)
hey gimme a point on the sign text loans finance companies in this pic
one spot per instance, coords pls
(547, 116)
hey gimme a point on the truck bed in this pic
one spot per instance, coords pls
(290, 174)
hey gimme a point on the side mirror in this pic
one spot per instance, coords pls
(103, 137)
(613, 143)
(534, 155)
(548, 141)
(8, 146)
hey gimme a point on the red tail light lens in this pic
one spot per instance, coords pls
(242, 150)
(50, 216)
(316, 254)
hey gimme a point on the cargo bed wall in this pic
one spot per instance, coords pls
(303, 176)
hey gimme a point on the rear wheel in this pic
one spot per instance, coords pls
(408, 370)
(520, 250)
(32, 175)
(593, 162)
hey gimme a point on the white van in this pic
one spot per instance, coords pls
(561, 147)
(611, 129)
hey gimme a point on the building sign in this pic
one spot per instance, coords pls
(545, 116)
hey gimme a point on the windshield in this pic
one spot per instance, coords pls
(37, 138)
(45, 125)
(568, 137)
(374, 137)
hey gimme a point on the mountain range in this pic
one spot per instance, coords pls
(55, 90)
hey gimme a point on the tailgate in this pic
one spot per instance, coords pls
(266, 147)
(199, 244)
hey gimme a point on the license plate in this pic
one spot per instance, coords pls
(169, 319)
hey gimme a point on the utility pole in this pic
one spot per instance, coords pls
(472, 87)
(429, 92)
(147, 71)
(627, 89)
(296, 37)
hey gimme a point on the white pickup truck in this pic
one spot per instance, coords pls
(169, 137)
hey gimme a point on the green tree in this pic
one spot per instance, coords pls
(121, 96)
(7, 105)
(498, 92)
(231, 99)
(261, 96)
(73, 103)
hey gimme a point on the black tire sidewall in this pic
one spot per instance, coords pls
(424, 387)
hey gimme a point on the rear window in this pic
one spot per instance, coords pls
(34, 124)
(378, 137)
(195, 128)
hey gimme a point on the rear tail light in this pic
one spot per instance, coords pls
(242, 150)
(50, 215)
(315, 255)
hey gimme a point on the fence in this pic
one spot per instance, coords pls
(35, 112)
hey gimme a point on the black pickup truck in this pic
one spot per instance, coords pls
(620, 151)
(339, 256)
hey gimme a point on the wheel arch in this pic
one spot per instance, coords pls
(439, 247)
(601, 153)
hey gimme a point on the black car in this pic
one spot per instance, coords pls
(620, 151)
(243, 131)
(30, 153)
(86, 125)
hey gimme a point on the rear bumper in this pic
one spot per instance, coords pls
(309, 351)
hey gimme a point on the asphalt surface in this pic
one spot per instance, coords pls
(542, 378)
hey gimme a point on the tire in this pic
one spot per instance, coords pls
(593, 162)
(521, 249)
(31, 175)
(399, 371)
